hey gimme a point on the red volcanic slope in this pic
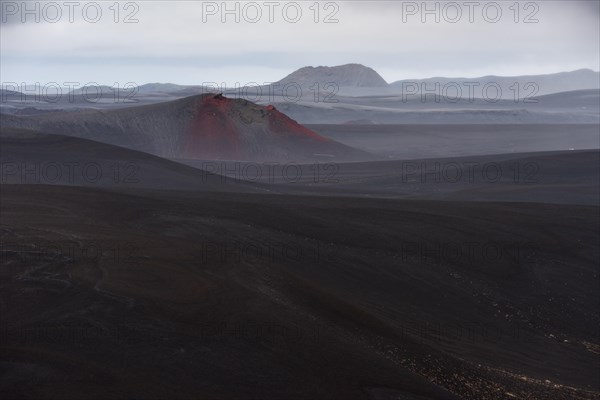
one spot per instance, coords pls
(282, 124)
(212, 132)
(223, 128)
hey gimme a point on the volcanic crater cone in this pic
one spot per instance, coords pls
(224, 128)
(203, 127)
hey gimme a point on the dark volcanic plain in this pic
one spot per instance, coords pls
(376, 285)
(155, 294)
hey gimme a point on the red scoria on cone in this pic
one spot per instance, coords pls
(236, 129)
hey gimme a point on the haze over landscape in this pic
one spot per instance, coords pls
(300, 200)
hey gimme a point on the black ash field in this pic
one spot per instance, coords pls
(367, 261)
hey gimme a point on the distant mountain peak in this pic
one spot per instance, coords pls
(347, 75)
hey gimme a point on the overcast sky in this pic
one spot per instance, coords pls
(187, 42)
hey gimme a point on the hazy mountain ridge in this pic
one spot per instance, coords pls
(522, 86)
(353, 93)
(352, 75)
(567, 107)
